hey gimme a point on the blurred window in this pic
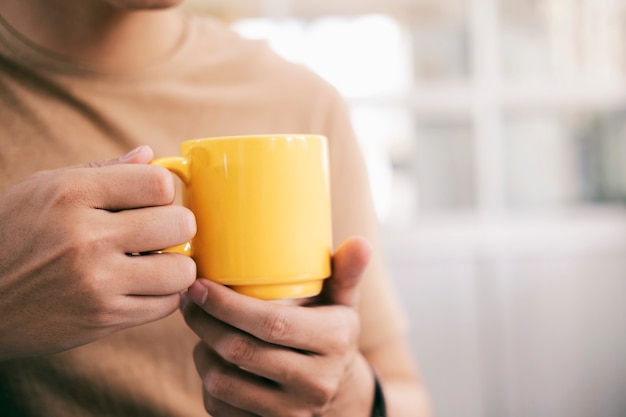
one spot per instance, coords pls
(476, 107)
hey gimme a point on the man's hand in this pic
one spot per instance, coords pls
(260, 358)
(67, 273)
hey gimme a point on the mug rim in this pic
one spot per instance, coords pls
(264, 136)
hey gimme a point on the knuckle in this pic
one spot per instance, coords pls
(321, 393)
(80, 242)
(162, 184)
(343, 341)
(101, 319)
(217, 384)
(73, 248)
(212, 406)
(100, 312)
(275, 326)
(97, 308)
(187, 271)
(345, 334)
(239, 349)
(190, 220)
(186, 222)
(93, 289)
(65, 190)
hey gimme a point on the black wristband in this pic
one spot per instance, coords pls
(378, 408)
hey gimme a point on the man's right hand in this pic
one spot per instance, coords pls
(67, 273)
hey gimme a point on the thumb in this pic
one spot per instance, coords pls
(349, 263)
(140, 155)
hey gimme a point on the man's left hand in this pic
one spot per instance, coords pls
(260, 358)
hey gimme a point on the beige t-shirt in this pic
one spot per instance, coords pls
(54, 114)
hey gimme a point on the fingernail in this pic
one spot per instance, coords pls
(130, 154)
(198, 293)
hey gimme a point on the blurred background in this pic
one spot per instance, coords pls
(495, 136)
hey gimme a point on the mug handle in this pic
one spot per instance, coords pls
(179, 166)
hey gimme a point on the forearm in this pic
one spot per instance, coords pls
(405, 398)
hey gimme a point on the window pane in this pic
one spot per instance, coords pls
(441, 45)
(565, 158)
(362, 56)
(443, 165)
(563, 38)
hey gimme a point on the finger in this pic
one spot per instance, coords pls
(246, 351)
(234, 386)
(140, 155)
(157, 274)
(114, 187)
(349, 263)
(238, 347)
(318, 330)
(141, 309)
(152, 228)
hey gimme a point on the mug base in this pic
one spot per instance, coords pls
(281, 291)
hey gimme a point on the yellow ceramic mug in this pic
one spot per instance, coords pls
(262, 207)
